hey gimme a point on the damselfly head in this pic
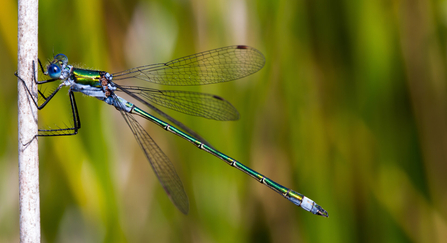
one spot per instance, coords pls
(54, 69)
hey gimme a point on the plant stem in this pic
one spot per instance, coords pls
(27, 123)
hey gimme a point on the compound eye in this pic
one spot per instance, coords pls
(54, 71)
(61, 58)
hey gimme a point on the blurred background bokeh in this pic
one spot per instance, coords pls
(350, 110)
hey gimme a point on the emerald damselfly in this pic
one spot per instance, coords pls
(214, 66)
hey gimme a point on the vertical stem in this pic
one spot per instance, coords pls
(27, 124)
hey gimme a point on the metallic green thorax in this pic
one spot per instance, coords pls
(87, 77)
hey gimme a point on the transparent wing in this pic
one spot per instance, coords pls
(191, 103)
(162, 166)
(214, 66)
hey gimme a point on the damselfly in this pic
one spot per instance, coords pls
(214, 66)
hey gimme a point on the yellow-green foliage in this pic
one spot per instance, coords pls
(350, 110)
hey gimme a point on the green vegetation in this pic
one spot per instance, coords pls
(350, 110)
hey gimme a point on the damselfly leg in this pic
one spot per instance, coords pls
(75, 114)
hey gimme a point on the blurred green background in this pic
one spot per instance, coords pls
(350, 110)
